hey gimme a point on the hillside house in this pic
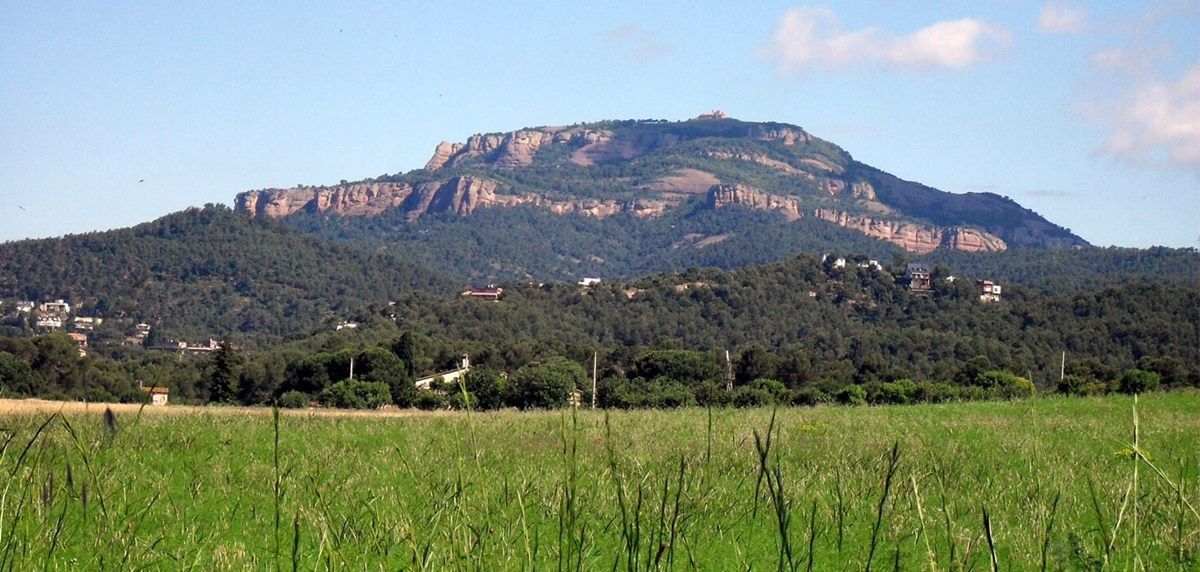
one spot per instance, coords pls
(918, 276)
(589, 281)
(49, 321)
(490, 293)
(25, 306)
(87, 324)
(989, 291)
(451, 376)
(345, 326)
(58, 307)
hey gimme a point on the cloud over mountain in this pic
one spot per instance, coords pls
(812, 37)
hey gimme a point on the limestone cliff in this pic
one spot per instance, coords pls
(720, 196)
(354, 199)
(914, 237)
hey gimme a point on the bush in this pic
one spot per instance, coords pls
(430, 400)
(852, 395)
(752, 396)
(809, 396)
(294, 400)
(1138, 381)
(546, 385)
(356, 395)
(712, 394)
(1072, 385)
(1004, 385)
(486, 386)
(934, 392)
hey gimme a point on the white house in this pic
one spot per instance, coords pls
(451, 376)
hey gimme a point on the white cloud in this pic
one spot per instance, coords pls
(1056, 18)
(811, 37)
(1159, 122)
(1135, 60)
(638, 43)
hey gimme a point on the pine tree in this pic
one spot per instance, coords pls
(223, 375)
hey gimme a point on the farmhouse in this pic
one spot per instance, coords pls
(451, 376)
(159, 395)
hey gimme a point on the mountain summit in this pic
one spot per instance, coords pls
(647, 169)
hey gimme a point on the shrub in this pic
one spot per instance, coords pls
(356, 395)
(712, 394)
(486, 386)
(1138, 381)
(809, 396)
(851, 395)
(751, 396)
(1004, 385)
(430, 400)
(546, 385)
(294, 400)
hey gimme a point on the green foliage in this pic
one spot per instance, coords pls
(294, 400)
(851, 395)
(1138, 381)
(16, 377)
(209, 272)
(356, 395)
(546, 385)
(223, 375)
(486, 386)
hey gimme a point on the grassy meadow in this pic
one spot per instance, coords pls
(1039, 484)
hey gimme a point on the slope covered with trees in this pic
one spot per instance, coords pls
(208, 272)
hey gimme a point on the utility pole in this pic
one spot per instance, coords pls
(1062, 369)
(595, 364)
(728, 372)
(351, 368)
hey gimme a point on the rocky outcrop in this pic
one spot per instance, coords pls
(913, 237)
(517, 148)
(758, 160)
(461, 195)
(721, 196)
(786, 135)
(350, 199)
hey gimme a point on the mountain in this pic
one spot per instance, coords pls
(652, 170)
(208, 272)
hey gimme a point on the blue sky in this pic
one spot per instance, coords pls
(1088, 113)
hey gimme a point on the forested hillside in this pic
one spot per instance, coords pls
(207, 272)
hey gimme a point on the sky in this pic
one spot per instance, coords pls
(116, 113)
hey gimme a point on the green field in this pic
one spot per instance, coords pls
(223, 489)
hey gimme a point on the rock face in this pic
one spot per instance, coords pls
(721, 196)
(646, 168)
(355, 199)
(461, 195)
(913, 237)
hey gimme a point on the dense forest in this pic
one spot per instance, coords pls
(801, 331)
(205, 273)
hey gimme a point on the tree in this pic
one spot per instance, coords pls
(405, 349)
(356, 394)
(16, 377)
(486, 386)
(223, 375)
(1138, 381)
(546, 385)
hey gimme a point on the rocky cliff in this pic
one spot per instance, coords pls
(647, 168)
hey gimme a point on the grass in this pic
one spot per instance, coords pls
(1042, 484)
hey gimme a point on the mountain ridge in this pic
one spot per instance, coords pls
(646, 168)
